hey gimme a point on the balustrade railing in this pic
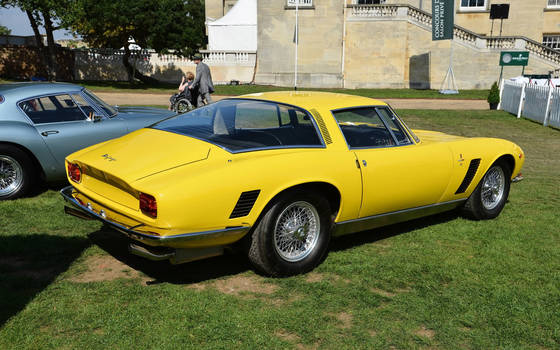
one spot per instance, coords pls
(211, 57)
(500, 43)
(543, 51)
(418, 16)
(374, 10)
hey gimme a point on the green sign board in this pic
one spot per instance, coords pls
(514, 58)
(442, 20)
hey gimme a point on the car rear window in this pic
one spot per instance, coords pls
(239, 125)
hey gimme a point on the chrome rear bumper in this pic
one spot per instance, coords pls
(194, 238)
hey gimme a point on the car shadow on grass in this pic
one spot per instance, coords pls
(116, 245)
(29, 263)
(381, 233)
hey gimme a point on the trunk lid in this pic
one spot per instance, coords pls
(143, 153)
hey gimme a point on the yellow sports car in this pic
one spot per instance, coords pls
(282, 172)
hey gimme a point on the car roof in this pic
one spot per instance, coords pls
(28, 89)
(315, 99)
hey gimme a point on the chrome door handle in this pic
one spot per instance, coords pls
(50, 132)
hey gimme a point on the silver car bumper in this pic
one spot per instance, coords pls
(83, 212)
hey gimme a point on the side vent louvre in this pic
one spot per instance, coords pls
(322, 126)
(471, 172)
(244, 204)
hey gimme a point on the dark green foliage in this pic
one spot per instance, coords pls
(165, 25)
(46, 14)
(5, 30)
(494, 94)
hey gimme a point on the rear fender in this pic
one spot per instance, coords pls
(26, 137)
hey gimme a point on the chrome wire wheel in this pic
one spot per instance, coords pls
(11, 176)
(296, 231)
(493, 187)
(183, 106)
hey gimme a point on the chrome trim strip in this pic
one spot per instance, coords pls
(415, 139)
(149, 239)
(370, 222)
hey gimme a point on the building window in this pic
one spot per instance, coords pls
(552, 41)
(302, 3)
(369, 2)
(554, 3)
(473, 5)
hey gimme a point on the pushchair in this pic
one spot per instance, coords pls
(183, 102)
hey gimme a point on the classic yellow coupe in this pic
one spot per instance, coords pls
(283, 171)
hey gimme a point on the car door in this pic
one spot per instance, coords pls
(66, 123)
(396, 173)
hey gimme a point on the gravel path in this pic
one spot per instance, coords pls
(122, 98)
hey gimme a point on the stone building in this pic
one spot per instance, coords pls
(377, 43)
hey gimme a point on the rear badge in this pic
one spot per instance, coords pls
(108, 157)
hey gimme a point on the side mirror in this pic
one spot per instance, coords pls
(94, 118)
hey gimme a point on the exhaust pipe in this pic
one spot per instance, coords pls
(149, 254)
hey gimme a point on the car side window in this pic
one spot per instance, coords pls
(86, 108)
(362, 128)
(52, 109)
(394, 125)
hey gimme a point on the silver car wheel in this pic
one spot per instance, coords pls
(297, 231)
(493, 187)
(11, 176)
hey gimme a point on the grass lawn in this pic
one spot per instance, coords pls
(230, 90)
(442, 282)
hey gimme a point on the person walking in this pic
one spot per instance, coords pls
(202, 81)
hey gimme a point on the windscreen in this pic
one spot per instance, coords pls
(239, 125)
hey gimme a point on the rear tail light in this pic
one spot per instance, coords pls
(148, 205)
(74, 172)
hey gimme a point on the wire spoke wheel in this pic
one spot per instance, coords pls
(296, 231)
(493, 188)
(293, 235)
(11, 175)
(183, 106)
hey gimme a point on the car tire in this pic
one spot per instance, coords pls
(293, 235)
(16, 172)
(491, 194)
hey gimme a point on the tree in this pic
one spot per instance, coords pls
(164, 25)
(42, 13)
(5, 30)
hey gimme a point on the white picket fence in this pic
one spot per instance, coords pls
(535, 102)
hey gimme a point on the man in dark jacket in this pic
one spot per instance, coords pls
(202, 81)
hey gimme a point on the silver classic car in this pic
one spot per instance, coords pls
(42, 123)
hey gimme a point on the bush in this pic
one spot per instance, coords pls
(494, 94)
